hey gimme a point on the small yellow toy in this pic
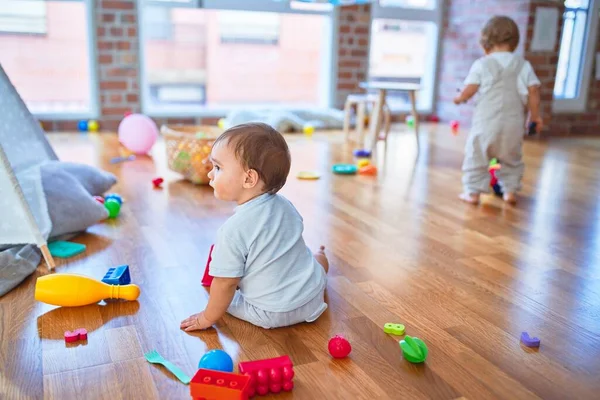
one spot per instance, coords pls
(221, 123)
(73, 290)
(363, 162)
(93, 125)
(308, 130)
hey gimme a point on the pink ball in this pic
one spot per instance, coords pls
(339, 347)
(138, 133)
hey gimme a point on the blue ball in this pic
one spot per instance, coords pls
(216, 360)
(82, 126)
(114, 196)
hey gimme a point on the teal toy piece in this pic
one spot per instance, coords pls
(414, 350)
(64, 249)
(345, 169)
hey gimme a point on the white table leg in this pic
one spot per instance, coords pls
(375, 122)
(415, 115)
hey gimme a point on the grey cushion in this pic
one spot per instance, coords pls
(94, 180)
(71, 207)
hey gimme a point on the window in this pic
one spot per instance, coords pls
(45, 50)
(232, 53)
(404, 40)
(576, 54)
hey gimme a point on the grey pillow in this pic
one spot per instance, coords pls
(94, 180)
(70, 206)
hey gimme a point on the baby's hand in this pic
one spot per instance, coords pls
(458, 100)
(195, 322)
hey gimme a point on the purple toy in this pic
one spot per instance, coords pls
(529, 341)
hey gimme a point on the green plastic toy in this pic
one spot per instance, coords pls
(64, 249)
(394, 329)
(414, 350)
(113, 207)
(345, 169)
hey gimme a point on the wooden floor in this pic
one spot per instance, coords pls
(467, 280)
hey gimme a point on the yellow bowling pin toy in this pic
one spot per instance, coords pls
(73, 290)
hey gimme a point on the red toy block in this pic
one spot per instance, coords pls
(77, 334)
(269, 375)
(157, 182)
(208, 384)
(207, 279)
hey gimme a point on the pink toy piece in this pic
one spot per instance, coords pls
(529, 341)
(138, 133)
(99, 199)
(77, 334)
(339, 347)
(269, 375)
(207, 279)
(157, 182)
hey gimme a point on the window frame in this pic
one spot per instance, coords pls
(411, 14)
(328, 67)
(94, 112)
(578, 104)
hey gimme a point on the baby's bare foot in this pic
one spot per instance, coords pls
(322, 258)
(510, 198)
(471, 198)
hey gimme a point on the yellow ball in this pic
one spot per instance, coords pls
(221, 123)
(362, 163)
(93, 125)
(308, 129)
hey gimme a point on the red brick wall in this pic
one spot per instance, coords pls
(353, 51)
(463, 20)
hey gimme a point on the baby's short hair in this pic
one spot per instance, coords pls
(500, 30)
(260, 147)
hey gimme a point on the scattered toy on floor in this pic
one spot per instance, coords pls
(362, 153)
(217, 360)
(344, 169)
(368, 170)
(454, 125)
(269, 375)
(492, 168)
(73, 290)
(221, 123)
(64, 249)
(116, 160)
(114, 196)
(308, 130)
(117, 276)
(394, 329)
(157, 183)
(138, 133)
(82, 125)
(99, 199)
(362, 162)
(77, 334)
(308, 175)
(339, 347)
(410, 121)
(155, 358)
(210, 384)
(414, 350)
(93, 125)
(529, 341)
(113, 207)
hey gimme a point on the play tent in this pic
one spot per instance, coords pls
(23, 147)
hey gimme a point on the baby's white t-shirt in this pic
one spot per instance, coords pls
(479, 75)
(262, 244)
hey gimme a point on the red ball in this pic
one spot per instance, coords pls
(339, 347)
(454, 124)
(157, 182)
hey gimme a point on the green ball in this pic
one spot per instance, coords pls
(113, 207)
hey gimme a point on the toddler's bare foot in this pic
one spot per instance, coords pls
(510, 198)
(322, 258)
(471, 198)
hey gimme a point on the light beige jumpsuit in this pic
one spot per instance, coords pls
(497, 131)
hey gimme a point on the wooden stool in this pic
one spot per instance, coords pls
(362, 101)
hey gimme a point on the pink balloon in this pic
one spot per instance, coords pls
(138, 133)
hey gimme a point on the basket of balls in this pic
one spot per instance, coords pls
(188, 149)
